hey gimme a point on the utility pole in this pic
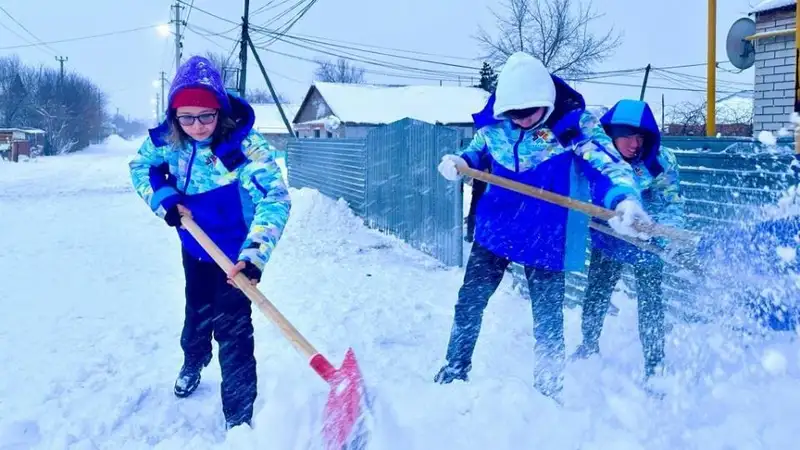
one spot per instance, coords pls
(178, 38)
(711, 69)
(644, 83)
(62, 60)
(163, 101)
(243, 50)
(271, 89)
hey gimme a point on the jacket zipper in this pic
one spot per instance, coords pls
(189, 168)
(516, 149)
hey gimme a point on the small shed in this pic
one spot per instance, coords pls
(351, 110)
(20, 141)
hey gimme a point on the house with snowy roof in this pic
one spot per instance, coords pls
(774, 64)
(338, 110)
(270, 124)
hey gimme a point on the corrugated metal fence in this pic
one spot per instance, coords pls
(334, 167)
(390, 180)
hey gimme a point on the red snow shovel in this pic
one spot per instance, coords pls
(346, 412)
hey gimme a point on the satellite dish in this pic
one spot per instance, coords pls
(741, 52)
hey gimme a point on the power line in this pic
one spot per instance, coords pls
(294, 20)
(267, 6)
(22, 37)
(438, 74)
(285, 12)
(413, 52)
(193, 30)
(664, 88)
(276, 36)
(211, 14)
(191, 6)
(60, 41)
(26, 30)
(438, 77)
(377, 62)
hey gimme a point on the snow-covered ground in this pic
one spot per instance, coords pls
(92, 300)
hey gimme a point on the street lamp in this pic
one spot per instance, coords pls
(163, 30)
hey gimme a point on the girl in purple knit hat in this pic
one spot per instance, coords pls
(206, 160)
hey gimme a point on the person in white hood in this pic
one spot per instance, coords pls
(535, 130)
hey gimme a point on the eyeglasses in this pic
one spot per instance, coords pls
(205, 119)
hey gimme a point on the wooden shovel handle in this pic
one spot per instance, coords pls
(584, 207)
(252, 292)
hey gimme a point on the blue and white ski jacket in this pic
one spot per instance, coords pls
(235, 191)
(570, 154)
(657, 178)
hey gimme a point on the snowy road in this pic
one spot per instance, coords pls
(92, 302)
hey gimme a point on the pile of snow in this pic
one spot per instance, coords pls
(90, 356)
(115, 144)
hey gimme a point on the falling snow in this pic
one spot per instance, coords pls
(91, 352)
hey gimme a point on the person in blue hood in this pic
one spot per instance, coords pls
(206, 161)
(535, 130)
(632, 126)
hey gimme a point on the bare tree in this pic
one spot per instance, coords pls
(686, 118)
(689, 119)
(735, 113)
(555, 31)
(71, 110)
(263, 96)
(221, 60)
(340, 71)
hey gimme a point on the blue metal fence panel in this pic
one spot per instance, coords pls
(406, 196)
(334, 167)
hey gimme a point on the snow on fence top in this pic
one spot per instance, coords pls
(768, 5)
(372, 104)
(268, 118)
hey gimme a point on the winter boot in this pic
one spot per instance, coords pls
(229, 424)
(189, 377)
(550, 387)
(452, 371)
(585, 351)
(653, 382)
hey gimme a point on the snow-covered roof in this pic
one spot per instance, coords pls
(735, 108)
(375, 104)
(768, 5)
(268, 118)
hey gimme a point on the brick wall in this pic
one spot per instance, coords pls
(774, 72)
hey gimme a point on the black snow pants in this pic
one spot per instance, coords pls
(604, 272)
(213, 305)
(483, 275)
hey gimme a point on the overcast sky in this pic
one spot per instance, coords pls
(125, 65)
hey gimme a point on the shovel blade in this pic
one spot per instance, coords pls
(347, 409)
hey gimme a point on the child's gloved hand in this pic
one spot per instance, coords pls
(450, 165)
(629, 212)
(247, 269)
